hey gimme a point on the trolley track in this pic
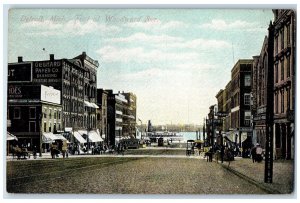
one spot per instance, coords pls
(28, 178)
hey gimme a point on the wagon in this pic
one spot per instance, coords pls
(190, 147)
(21, 152)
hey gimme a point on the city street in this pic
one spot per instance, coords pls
(124, 175)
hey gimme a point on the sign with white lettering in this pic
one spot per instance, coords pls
(23, 92)
(19, 72)
(50, 94)
(47, 71)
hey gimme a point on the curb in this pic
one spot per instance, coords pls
(252, 181)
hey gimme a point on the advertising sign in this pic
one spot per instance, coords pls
(23, 92)
(19, 72)
(50, 94)
(47, 71)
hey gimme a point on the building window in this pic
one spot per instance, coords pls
(288, 68)
(54, 128)
(247, 80)
(17, 113)
(49, 127)
(282, 101)
(276, 102)
(288, 98)
(288, 34)
(50, 112)
(54, 114)
(276, 72)
(247, 99)
(247, 118)
(45, 127)
(32, 126)
(32, 112)
(282, 70)
(282, 39)
(276, 45)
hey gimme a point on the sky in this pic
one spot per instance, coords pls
(174, 60)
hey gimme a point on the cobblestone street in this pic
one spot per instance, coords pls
(125, 175)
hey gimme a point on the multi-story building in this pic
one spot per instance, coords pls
(121, 116)
(220, 100)
(116, 105)
(240, 100)
(130, 115)
(284, 82)
(102, 113)
(35, 114)
(227, 106)
(259, 94)
(76, 79)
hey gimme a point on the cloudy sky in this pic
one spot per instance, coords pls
(174, 60)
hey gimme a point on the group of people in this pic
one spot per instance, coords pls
(228, 153)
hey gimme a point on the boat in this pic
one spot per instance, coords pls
(166, 135)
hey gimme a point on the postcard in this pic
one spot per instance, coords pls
(160, 101)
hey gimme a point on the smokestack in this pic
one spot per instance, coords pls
(20, 59)
(51, 57)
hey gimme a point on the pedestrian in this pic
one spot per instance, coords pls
(259, 152)
(253, 154)
(210, 154)
(92, 147)
(34, 151)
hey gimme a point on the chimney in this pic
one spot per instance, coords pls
(51, 57)
(84, 53)
(20, 59)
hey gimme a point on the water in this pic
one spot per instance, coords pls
(191, 135)
(186, 135)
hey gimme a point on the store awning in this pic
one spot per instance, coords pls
(49, 137)
(79, 138)
(60, 137)
(92, 135)
(90, 104)
(95, 105)
(95, 137)
(10, 136)
(228, 139)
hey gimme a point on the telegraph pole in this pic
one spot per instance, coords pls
(204, 130)
(270, 109)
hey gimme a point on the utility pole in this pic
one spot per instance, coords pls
(204, 129)
(268, 178)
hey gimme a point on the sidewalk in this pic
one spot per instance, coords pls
(283, 174)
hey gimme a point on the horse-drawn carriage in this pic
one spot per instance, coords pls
(20, 152)
(58, 147)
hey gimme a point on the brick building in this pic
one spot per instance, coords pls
(284, 82)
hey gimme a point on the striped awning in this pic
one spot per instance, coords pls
(10, 136)
(93, 136)
(90, 104)
(48, 137)
(79, 138)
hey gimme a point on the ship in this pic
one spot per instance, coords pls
(166, 135)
